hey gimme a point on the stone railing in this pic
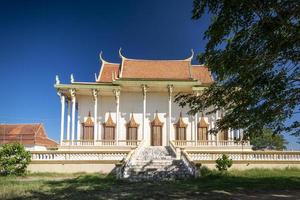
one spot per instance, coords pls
(130, 143)
(219, 143)
(246, 156)
(78, 155)
(188, 162)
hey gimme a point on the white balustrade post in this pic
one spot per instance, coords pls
(144, 90)
(170, 91)
(68, 121)
(95, 98)
(117, 98)
(73, 96)
(62, 117)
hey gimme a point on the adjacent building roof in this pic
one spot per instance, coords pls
(153, 70)
(27, 134)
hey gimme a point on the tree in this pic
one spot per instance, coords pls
(14, 159)
(223, 163)
(253, 52)
(268, 140)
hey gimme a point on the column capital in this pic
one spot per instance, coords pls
(117, 94)
(95, 93)
(170, 90)
(73, 93)
(144, 89)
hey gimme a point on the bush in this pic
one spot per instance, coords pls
(223, 163)
(14, 159)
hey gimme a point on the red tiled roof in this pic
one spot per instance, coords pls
(27, 134)
(156, 69)
(201, 73)
(106, 72)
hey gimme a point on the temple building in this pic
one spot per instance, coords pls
(32, 136)
(133, 101)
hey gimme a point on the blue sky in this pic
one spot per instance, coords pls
(39, 39)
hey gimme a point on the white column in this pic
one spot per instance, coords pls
(95, 98)
(144, 90)
(68, 121)
(117, 98)
(216, 118)
(62, 117)
(73, 96)
(78, 127)
(195, 127)
(169, 137)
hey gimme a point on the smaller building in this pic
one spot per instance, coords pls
(32, 136)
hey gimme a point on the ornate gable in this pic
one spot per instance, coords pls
(88, 121)
(202, 123)
(156, 121)
(132, 123)
(180, 123)
(109, 122)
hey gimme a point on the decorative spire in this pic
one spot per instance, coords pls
(180, 123)
(72, 78)
(132, 122)
(88, 121)
(202, 123)
(156, 121)
(57, 81)
(109, 121)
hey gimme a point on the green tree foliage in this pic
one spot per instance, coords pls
(253, 51)
(268, 140)
(14, 159)
(223, 163)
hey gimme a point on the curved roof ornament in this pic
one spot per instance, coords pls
(192, 55)
(120, 54)
(101, 57)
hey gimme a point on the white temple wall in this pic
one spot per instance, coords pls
(132, 102)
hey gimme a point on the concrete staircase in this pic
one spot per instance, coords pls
(155, 163)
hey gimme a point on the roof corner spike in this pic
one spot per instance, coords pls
(101, 57)
(192, 55)
(96, 78)
(57, 81)
(120, 53)
(72, 78)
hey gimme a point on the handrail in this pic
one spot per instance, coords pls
(199, 143)
(247, 155)
(132, 143)
(188, 163)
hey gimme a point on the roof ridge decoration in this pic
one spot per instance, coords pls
(109, 121)
(190, 64)
(88, 121)
(158, 60)
(156, 121)
(132, 123)
(180, 123)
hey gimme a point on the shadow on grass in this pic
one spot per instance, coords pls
(210, 187)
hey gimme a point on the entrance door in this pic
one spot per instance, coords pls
(156, 136)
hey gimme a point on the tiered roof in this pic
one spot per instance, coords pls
(27, 134)
(134, 69)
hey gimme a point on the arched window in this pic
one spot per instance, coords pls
(180, 128)
(88, 129)
(132, 130)
(156, 131)
(202, 130)
(109, 129)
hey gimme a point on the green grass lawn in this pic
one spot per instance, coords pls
(250, 184)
